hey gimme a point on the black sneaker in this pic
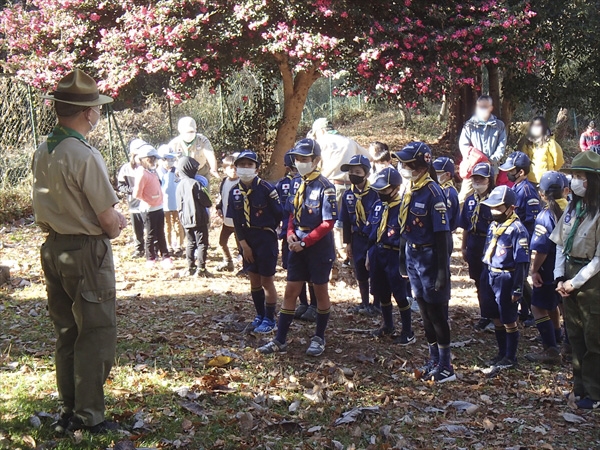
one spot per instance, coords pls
(588, 403)
(383, 331)
(506, 363)
(495, 360)
(426, 370)
(61, 425)
(310, 315)
(203, 273)
(483, 322)
(405, 338)
(442, 374)
(103, 427)
(300, 310)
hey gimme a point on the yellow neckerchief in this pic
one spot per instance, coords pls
(414, 186)
(447, 184)
(562, 203)
(299, 197)
(246, 194)
(475, 216)
(384, 215)
(497, 231)
(361, 215)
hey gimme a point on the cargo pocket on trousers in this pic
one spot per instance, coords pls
(98, 309)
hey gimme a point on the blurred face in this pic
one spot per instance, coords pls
(149, 162)
(483, 110)
(480, 184)
(230, 171)
(537, 129)
(168, 162)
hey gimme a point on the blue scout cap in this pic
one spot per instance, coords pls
(565, 180)
(444, 164)
(357, 160)
(306, 147)
(516, 160)
(386, 178)
(482, 169)
(414, 151)
(551, 179)
(501, 195)
(247, 154)
(288, 159)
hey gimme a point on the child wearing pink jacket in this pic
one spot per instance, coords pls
(148, 190)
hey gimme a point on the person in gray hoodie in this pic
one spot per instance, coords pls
(483, 132)
(192, 203)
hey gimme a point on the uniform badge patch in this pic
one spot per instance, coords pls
(285, 186)
(440, 207)
(524, 243)
(540, 230)
(533, 201)
(274, 195)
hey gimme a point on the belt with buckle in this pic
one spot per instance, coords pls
(54, 235)
(389, 247)
(574, 260)
(417, 246)
(497, 270)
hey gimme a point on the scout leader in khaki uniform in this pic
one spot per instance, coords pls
(577, 267)
(73, 202)
(195, 145)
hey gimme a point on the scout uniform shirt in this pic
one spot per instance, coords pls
(427, 214)
(71, 185)
(541, 243)
(356, 207)
(527, 206)
(197, 149)
(389, 237)
(586, 244)
(254, 207)
(284, 189)
(319, 204)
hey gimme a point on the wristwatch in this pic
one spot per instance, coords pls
(302, 244)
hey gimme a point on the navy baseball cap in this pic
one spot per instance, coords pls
(306, 147)
(357, 160)
(516, 160)
(247, 154)
(444, 164)
(565, 180)
(414, 151)
(288, 159)
(501, 195)
(551, 180)
(483, 169)
(386, 178)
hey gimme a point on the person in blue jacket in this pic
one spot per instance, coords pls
(544, 298)
(475, 219)
(356, 205)
(256, 211)
(444, 168)
(383, 258)
(312, 252)
(506, 259)
(425, 228)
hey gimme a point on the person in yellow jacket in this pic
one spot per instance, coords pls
(543, 150)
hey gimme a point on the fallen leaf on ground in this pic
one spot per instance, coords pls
(220, 361)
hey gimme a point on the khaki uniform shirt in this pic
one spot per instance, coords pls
(70, 188)
(586, 244)
(200, 149)
(335, 151)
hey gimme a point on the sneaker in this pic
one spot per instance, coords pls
(442, 374)
(566, 349)
(267, 326)
(310, 315)
(383, 331)
(549, 356)
(203, 273)
(529, 323)
(226, 266)
(256, 322)
(191, 271)
(62, 424)
(588, 403)
(300, 310)
(137, 254)
(356, 309)
(317, 346)
(495, 360)
(166, 263)
(490, 328)
(427, 369)
(271, 347)
(506, 363)
(103, 427)
(347, 263)
(414, 305)
(405, 338)
(370, 311)
(150, 263)
(483, 322)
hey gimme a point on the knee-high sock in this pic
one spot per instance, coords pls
(363, 287)
(500, 332)
(434, 352)
(286, 317)
(512, 342)
(258, 297)
(387, 312)
(546, 329)
(322, 319)
(406, 317)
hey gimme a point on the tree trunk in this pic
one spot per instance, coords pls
(443, 115)
(494, 80)
(295, 91)
(562, 124)
(461, 102)
(508, 105)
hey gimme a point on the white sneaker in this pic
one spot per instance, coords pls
(317, 346)
(150, 263)
(166, 263)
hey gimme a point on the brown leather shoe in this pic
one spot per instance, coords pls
(549, 356)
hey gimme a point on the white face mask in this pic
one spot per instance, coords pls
(577, 186)
(442, 178)
(94, 125)
(304, 168)
(482, 114)
(246, 174)
(480, 188)
(536, 131)
(409, 174)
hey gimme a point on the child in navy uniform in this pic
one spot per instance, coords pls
(356, 205)
(227, 229)
(424, 226)
(286, 188)
(256, 211)
(192, 203)
(312, 252)
(544, 298)
(506, 257)
(383, 259)
(444, 168)
(475, 219)
(527, 207)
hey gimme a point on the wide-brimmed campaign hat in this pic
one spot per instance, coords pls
(78, 88)
(584, 162)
